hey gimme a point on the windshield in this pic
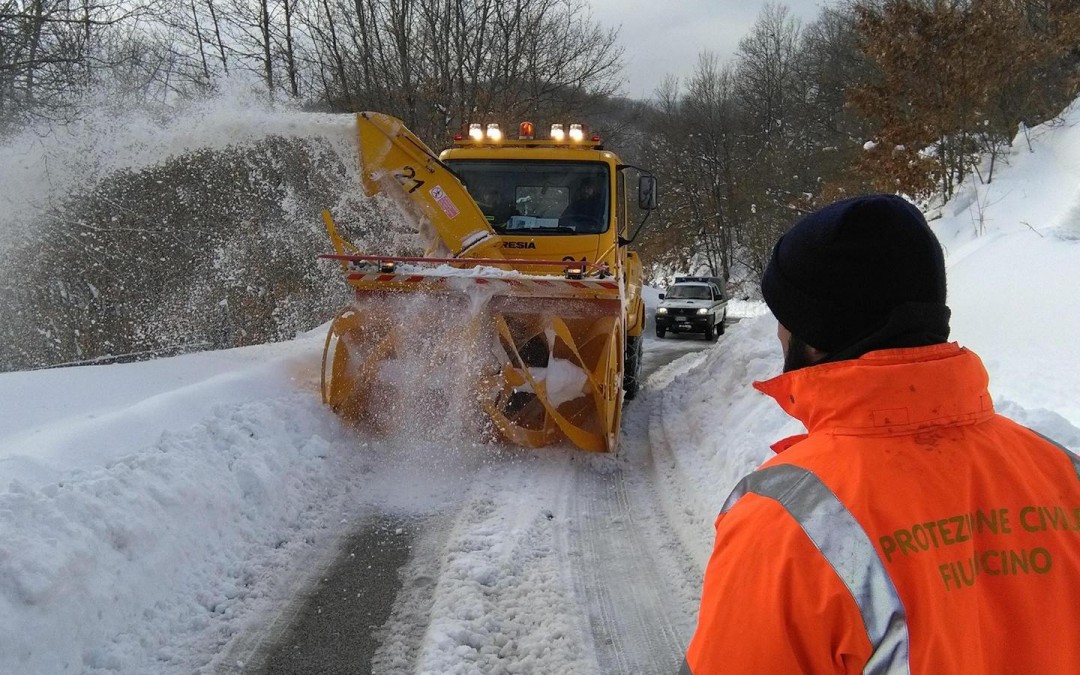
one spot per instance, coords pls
(538, 196)
(688, 293)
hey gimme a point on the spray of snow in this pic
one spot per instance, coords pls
(41, 165)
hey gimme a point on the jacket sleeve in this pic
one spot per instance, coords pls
(771, 603)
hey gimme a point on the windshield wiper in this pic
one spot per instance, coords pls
(547, 228)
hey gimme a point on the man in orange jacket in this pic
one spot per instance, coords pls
(912, 529)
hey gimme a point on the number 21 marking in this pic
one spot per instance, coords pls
(407, 178)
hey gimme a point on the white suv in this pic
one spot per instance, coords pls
(692, 305)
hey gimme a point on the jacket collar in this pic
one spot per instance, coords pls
(885, 392)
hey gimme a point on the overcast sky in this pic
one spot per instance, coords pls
(662, 37)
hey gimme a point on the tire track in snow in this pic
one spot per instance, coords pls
(635, 578)
(626, 573)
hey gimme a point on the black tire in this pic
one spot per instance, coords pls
(720, 327)
(660, 332)
(632, 367)
(710, 332)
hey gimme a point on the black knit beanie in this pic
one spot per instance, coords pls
(850, 269)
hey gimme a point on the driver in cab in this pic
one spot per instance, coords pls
(585, 213)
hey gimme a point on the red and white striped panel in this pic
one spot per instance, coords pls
(513, 285)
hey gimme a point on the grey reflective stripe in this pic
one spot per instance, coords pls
(847, 548)
(1068, 453)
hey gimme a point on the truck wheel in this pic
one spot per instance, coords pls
(720, 327)
(660, 332)
(632, 367)
(710, 332)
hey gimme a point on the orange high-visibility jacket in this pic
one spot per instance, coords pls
(912, 530)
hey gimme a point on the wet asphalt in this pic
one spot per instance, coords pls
(334, 631)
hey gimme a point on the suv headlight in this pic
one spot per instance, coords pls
(661, 310)
(703, 310)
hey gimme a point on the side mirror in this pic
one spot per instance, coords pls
(647, 192)
(661, 296)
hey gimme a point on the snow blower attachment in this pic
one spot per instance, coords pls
(520, 322)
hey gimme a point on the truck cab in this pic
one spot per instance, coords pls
(546, 202)
(692, 305)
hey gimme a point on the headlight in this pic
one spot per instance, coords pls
(662, 310)
(703, 310)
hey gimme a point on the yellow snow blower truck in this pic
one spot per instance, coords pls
(522, 321)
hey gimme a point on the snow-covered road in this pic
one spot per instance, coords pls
(548, 561)
(181, 515)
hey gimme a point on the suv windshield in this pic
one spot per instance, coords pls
(688, 293)
(538, 197)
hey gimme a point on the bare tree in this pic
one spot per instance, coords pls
(52, 49)
(440, 63)
(772, 91)
(830, 62)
